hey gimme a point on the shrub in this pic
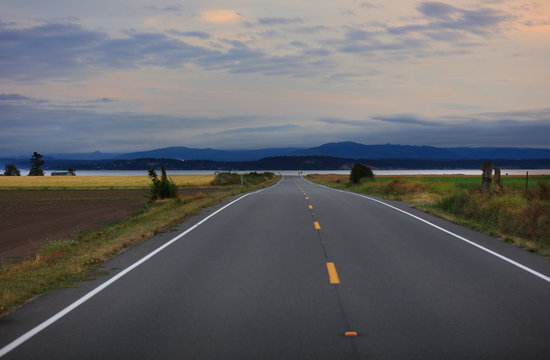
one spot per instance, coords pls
(359, 173)
(400, 186)
(226, 178)
(230, 178)
(162, 188)
(255, 178)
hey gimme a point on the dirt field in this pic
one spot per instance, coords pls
(32, 218)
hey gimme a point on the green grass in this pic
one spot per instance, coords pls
(513, 214)
(65, 263)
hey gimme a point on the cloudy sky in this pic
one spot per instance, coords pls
(128, 75)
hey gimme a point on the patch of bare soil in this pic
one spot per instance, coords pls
(30, 219)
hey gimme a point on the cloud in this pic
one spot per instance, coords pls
(34, 127)
(460, 28)
(67, 51)
(336, 121)
(404, 119)
(444, 17)
(270, 21)
(19, 99)
(220, 16)
(370, 6)
(101, 101)
(52, 50)
(528, 128)
(13, 97)
(262, 129)
(197, 34)
(311, 29)
(170, 8)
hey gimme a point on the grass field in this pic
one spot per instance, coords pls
(511, 213)
(94, 182)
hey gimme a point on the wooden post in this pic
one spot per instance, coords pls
(487, 168)
(526, 181)
(164, 176)
(497, 179)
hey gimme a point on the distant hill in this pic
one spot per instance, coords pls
(185, 153)
(343, 150)
(352, 150)
(348, 150)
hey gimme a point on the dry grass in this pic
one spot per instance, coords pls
(94, 182)
(511, 213)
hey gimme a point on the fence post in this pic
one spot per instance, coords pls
(497, 179)
(487, 168)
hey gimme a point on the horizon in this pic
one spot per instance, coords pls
(53, 154)
(122, 77)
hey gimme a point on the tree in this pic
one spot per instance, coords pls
(359, 172)
(11, 170)
(162, 188)
(37, 162)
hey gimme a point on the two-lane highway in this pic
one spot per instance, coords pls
(299, 271)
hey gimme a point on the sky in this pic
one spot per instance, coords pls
(131, 75)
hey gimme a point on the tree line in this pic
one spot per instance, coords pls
(36, 167)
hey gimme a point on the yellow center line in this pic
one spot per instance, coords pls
(332, 273)
(317, 226)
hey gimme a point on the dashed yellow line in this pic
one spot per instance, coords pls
(317, 226)
(332, 273)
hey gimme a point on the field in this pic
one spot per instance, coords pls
(94, 182)
(36, 210)
(512, 213)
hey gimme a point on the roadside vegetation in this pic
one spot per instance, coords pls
(231, 178)
(512, 213)
(64, 263)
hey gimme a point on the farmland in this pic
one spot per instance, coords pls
(94, 182)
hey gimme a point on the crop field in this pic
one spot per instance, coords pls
(94, 182)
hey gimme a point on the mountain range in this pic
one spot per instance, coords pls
(348, 150)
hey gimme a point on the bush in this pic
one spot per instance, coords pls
(359, 173)
(255, 178)
(162, 188)
(226, 178)
(252, 178)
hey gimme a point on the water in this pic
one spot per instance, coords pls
(24, 172)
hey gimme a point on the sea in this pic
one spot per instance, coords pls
(504, 172)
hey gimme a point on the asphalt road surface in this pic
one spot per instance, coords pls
(285, 273)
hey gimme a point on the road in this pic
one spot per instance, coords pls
(285, 273)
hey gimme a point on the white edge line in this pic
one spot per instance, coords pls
(37, 329)
(502, 257)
